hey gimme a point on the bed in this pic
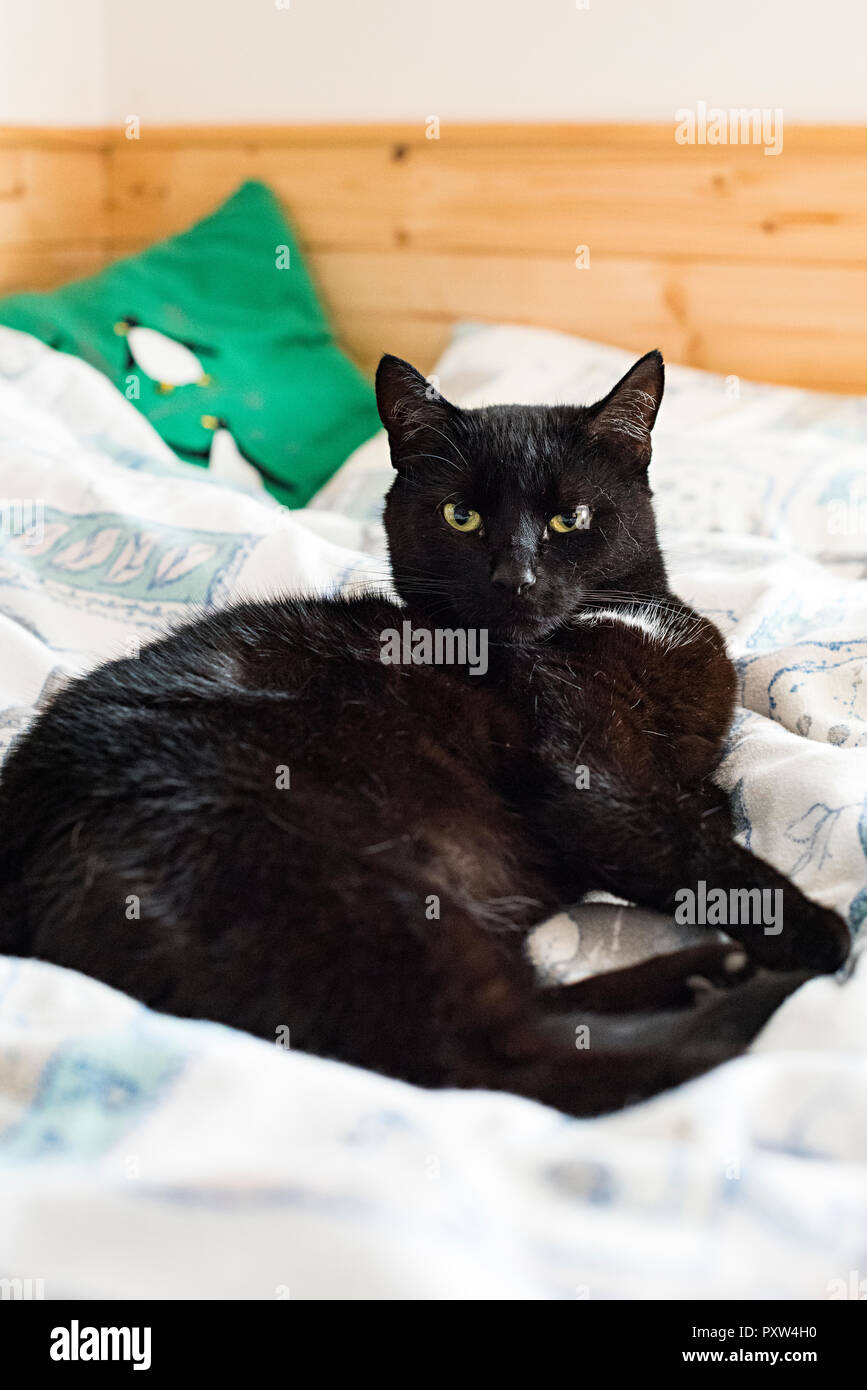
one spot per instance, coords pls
(145, 1156)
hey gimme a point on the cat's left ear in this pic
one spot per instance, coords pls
(626, 416)
(407, 403)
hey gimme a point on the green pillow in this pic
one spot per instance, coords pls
(257, 360)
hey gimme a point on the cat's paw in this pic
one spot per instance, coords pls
(726, 967)
(823, 941)
(676, 979)
(810, 938)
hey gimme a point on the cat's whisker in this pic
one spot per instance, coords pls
(451, 463)
(449, 441)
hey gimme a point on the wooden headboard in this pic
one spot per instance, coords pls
(724, 256)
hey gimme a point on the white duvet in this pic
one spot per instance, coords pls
(146, 1156)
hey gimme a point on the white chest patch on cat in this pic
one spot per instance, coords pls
(669, 627)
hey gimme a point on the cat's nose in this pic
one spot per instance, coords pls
(514, 575)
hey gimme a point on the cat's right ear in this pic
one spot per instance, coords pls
(407, 404)
(626, 416)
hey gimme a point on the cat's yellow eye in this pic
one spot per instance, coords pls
(577, 520)
(460, 517)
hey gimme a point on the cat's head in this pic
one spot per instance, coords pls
(511, 518)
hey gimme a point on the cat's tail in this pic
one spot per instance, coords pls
(632, 1056)
(614, 1039)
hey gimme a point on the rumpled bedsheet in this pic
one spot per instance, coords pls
(145, 1156)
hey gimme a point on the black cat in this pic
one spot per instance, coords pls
(272, 820)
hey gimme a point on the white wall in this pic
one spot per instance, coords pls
(53, 67)
(86, 61)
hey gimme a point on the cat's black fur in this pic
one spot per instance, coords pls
(156, 781)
